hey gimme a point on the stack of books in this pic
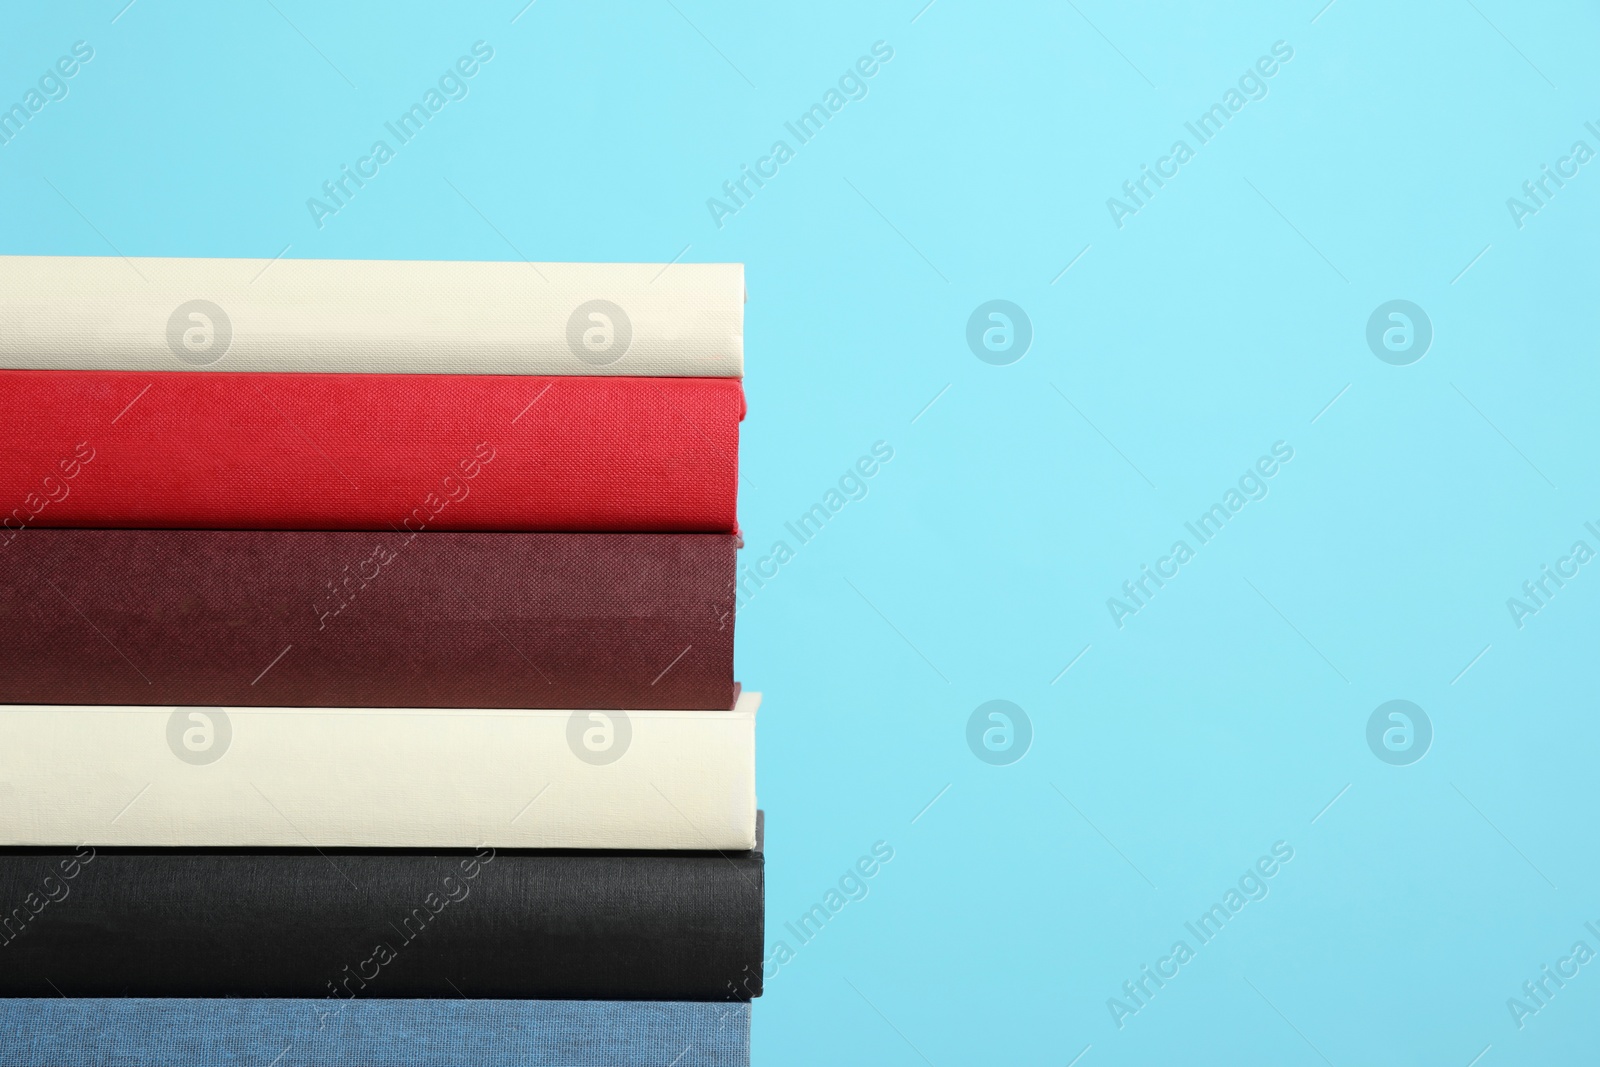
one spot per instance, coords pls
(366, 662)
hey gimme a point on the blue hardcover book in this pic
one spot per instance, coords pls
(178, 1032)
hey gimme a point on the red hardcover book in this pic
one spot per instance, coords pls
(409, 452)
(281, 618)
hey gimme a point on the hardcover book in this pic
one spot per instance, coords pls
(367, 452)
(351, 925)
(385, 619)
(316, 316)
(183, 1032)
(265, 777)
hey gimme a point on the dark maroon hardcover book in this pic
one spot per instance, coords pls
(350, 619)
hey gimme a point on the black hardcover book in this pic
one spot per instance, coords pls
(363, 923)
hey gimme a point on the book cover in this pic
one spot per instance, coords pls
(343, 925)
(403, 452)
(372, 316)
(186, 1032)
(385, 619)
(348, 777)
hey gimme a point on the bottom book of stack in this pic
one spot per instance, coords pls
(143, 1032)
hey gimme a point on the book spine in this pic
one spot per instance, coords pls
(361, 924)
(186, 1032)
(386, 619)
(321, 316)
(408, 778)
(367, 452)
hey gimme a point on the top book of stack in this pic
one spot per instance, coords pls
(332, 316)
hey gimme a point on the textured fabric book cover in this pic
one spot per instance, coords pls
(367, 451)
(302, 315)
(330, 777)
(182, 1032)
(363, 924)
(353, 619)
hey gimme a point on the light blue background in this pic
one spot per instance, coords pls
(1223, 317)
